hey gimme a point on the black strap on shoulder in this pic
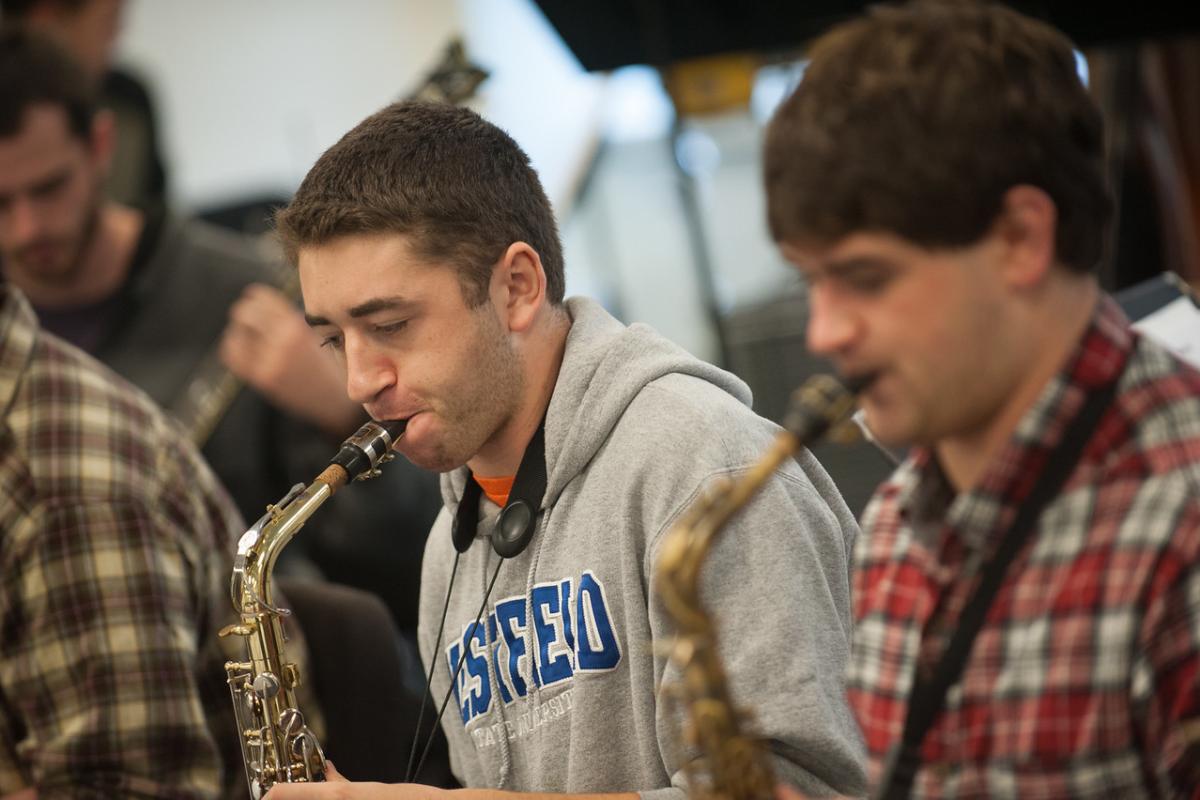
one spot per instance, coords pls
(928, 695)
(515, 526)
(466, 517)
(518, 519)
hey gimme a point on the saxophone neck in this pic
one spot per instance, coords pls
(359, 457)
(260, 546)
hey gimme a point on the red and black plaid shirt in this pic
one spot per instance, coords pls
(1085, 678)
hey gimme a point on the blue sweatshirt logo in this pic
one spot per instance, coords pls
(559, 629)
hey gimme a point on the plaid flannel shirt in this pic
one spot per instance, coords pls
(1083, 681)
(114, 544)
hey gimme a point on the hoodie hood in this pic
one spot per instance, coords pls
(605, 365)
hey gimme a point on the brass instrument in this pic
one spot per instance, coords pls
(277, 745)
(736, 762)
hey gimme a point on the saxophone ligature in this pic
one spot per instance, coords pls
(733, 764)
(277, 744)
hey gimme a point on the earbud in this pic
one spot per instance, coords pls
(513, 530)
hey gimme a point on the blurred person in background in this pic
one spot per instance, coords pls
(88, 29)
(152, 295)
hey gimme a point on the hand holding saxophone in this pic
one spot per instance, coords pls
(336, 787)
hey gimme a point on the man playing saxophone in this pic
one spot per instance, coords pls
(430, 265)
(1026, 587)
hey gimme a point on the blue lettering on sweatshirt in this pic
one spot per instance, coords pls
(552, 632)
(473, 689)
(598, 649)
(510, 618)
(561, 628)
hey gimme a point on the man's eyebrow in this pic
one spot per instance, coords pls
(43, 184)
(366, 309)
(845, 267)
(373, 305)
(853, 263)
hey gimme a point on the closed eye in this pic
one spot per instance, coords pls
(867, 281)
(333, 342)
(391, 327)
(50, 187)
(863, 275)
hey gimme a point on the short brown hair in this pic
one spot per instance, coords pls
(35, 70)
(460, 187)
(915, 120)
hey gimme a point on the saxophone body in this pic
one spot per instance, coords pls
(277, 745)
(733, 764)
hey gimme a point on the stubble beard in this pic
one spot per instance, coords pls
(488, 397)
(68, 270)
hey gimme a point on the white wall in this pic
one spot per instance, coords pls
(250, 92)
(537, 91)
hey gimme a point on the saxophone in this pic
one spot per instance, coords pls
(277, 745)
(737, 763)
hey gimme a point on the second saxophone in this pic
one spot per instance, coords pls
(733, 764)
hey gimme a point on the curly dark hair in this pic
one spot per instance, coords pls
(916, 119)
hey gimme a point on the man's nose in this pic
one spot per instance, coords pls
(23, 221)
(368, 372)
(832, 326)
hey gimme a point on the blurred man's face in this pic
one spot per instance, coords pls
(50, 194)
(927, 324)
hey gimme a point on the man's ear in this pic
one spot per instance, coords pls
(102, 140)
(1027, 229)
(521, 280)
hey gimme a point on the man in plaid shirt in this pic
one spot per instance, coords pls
(111, 583)
(938, 178)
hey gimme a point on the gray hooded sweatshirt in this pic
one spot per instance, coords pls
(561, 688)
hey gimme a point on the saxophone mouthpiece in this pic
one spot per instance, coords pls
(822, 403)
(371, 445)
(857, 383)
(394, 428)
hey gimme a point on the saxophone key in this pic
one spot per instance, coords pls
(291, 721)
(291, 675)
(265, 686)
(238, 629)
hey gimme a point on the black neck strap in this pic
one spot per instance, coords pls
(928, 695)
(517, 520)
